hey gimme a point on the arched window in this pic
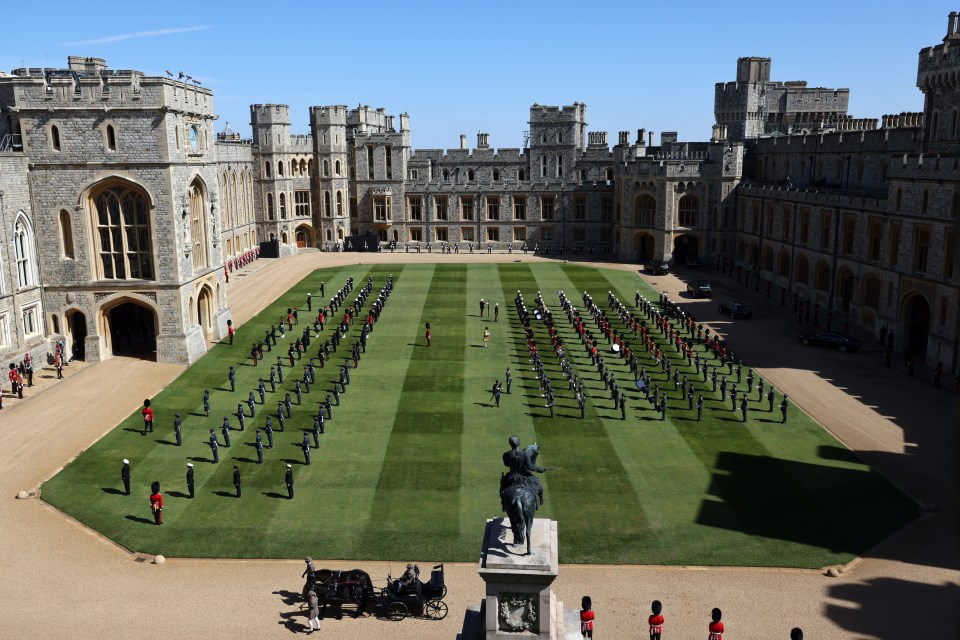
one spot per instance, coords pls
(560, 137)
(689, 211)
(266, 169)
(767, 258)
(327, 209)
(496, 175)
(522, 175)
(336, 168)
(23, 252)
(283, 206)
(55, 137)
(445, 174)
(644, 211)
(270, 206)
(870, 296)
(198, 224)
(66, 234)
(310, 167)
(122, 242)
(803, 270)
(559, 166)
(339, 203)
(543, 165)
(609, 175)
(280, 168)
(822, 281)
(111, 138)
(784, 266)
(303, 166)
(326, 169)
(470, 175)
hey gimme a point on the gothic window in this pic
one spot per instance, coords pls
(559, 166)
(521, 175)
(609, 175)
(122, 240)
(689, 209)
(198, 225)
(519, 207)
(283, 206)
(266, 169)
(470, 175)
(336, 168)
(445, 174)
(496, 175)
(339, 203)
(934, 125)
(327, 209)
(871, 292)
(55, 137)
(326, 169)
(644, 210)
(279, 168)
(270, 206)
(23, 252)
(543, 166)
(66, 234)
(111, 138)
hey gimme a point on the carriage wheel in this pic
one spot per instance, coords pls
(443, 592)
(397, 611)
(435, 610)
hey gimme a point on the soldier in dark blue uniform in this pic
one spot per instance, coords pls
(328, 407)
(336, 395)
(281, 420)
(225, 430)
(262, 390)
(269, 430)
(288, 478)
(125, 476)
(288, 404)
(316, 432)
(190, 479)
(509, 380)
(259, 445)
(743, 407)
(623, 406)
(206, 402)
(273, 379)
(236, 479)
(176, 429)
(783, 408)
(214, 447)
(252, 405)
(318, 419)
(700, 407)
(306, 448)
(280, 370)
(233, 379)
(770, 396)
(299, 392)
(760, 389)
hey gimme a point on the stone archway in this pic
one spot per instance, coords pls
(76, 333)
(916, 324)
(643, 246)
(304, 236)
(685, 246)
(129, 328)
(205, 310)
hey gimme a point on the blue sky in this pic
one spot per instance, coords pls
(464, 67)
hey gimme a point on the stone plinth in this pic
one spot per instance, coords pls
(519, 602)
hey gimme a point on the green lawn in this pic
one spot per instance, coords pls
(409, 465)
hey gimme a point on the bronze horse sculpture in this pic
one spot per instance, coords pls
(521, 493)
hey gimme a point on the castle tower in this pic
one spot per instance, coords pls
(328, 124)
(936, 77)
(271, 142)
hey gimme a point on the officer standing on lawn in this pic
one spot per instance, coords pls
(233, 379)
(299, 391)
(206, 402)
(316, 432)
(760, 389)
(125, 476)
(700, 407)
(306, 448)
(328, 407)
(269, 430)
(190, 479)
(252, 405)
(225, 430)
(281, 419)
(262, 390)
(783, 408)
(214, 447)
(176, 429)
(259, 445)
(336, 395)
(770, 395)
(288, 478)
(623, 406)
(236, 479)
(743, 407)
(273, 379)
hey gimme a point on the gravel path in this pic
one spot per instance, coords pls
(62, 580)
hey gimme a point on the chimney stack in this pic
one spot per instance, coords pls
(463, 141)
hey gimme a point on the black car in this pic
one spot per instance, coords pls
(834, 340)
(700, 289)
(657, 267)
(736, 310)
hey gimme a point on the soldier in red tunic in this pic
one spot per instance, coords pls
(586, 617)
(656, 620)
(147, 417)
(156, 502)
(716, 626)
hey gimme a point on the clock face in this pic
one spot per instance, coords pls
(193, 139)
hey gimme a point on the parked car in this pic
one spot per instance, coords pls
(657, 267)
(700, 289)
(736, 310)
(834, 340)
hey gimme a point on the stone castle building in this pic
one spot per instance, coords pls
(146, 203)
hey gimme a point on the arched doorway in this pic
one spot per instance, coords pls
(304, 235)
(685, 246)
(643, 247)
(76, 335)
(205, 309)
(845, 289)
(916, 322)
(130, 329)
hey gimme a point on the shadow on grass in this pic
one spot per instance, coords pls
(841, 510)
(225, 494)
(199, 459)
(177, 494)
(293, 461)
(113, 491)
(166, 442)
(247, 460)
(132, 430)
(139, 519)
(278, 496)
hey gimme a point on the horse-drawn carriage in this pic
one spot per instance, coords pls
(396, 601)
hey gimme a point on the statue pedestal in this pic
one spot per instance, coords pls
(519, 602)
